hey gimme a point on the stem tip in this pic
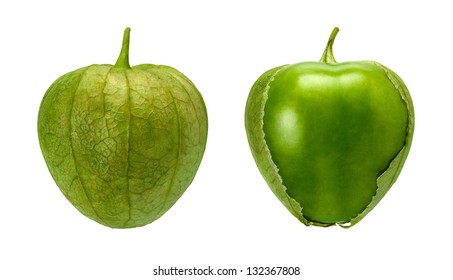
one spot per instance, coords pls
(123, 59)
(327, 56)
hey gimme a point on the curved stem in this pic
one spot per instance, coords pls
(123, 59)
(327, 56)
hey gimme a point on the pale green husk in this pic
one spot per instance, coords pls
(123, 144)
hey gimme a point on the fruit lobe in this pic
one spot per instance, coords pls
(123, 143)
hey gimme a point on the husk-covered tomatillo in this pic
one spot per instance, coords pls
(123, 143)
(330, 138)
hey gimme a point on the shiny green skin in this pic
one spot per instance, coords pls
(330, 138)
(123, 143)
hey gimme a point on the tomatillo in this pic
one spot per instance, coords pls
(330, 138)
(123, 143)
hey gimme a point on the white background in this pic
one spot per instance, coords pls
(228, 218)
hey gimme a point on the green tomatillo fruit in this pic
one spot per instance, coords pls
(330, 138)
(123, 143)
